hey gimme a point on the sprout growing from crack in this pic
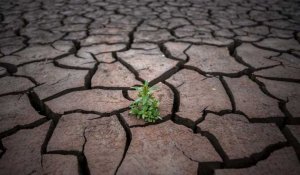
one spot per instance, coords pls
(145, 106)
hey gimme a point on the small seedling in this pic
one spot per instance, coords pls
(145, 106)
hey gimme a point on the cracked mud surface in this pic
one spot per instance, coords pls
(228, 74)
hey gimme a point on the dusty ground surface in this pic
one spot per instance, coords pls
(228, 74)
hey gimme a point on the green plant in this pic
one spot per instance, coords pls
(145, 106)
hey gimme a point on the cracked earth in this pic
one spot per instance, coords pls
(228, 74)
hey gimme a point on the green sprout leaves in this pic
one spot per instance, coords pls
(145, 106)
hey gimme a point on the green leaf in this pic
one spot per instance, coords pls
(146, 83)
(138, 100)
(145, 99)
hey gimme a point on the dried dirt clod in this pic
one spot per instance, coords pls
(289, 92)
(23, 154)
(16, 110)
(197, 93)
(149, 64)
(238, 137)
(102, 141)
(102, 101)
(169, 149)
(280, 161)
(256, 57)
(52, 79)
(213, 59)
(60, 164)
(14, 84)
(113, 75)
(250, 99)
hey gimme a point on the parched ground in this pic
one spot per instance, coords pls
(228, 74)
